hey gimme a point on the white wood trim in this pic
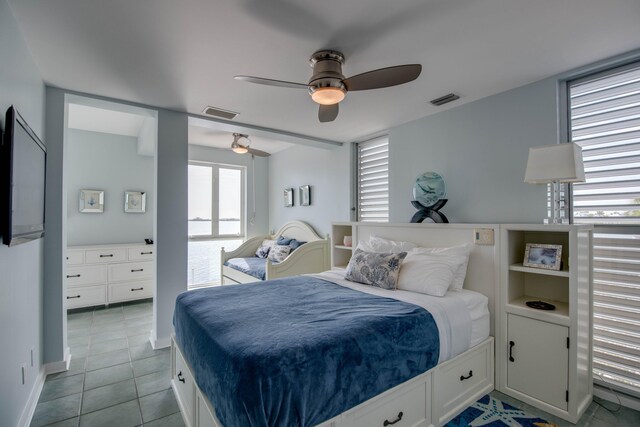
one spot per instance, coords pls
(32, 401)
(158, 343)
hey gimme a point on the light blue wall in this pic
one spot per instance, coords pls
(481, 151)
(327, 172)
(110, 163)
(260, 225)
(21, 267)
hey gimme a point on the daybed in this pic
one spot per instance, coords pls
(243, 266)
(318, 350)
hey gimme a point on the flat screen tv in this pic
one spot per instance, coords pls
(22, 182)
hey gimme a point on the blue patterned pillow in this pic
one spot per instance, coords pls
(279, 252)
(375, 269)
(265, 247)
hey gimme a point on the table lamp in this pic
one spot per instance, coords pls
(555, 164)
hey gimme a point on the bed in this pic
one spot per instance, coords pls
(243, 266)
(379, 354)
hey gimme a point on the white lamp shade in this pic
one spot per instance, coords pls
(555, 163)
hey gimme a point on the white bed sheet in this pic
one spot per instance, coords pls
(462, 317)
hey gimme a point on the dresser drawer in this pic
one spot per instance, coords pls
(130, 291)
(404, 407)
(130, 271)
(141, 253)
(86, 275)
(184, 387)
(85, 296)
(75, 257)
(95, 256)
(460, 378)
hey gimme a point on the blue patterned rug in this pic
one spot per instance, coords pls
(489, 411)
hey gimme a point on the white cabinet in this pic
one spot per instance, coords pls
(544, 357)
(105, 274)
(341, 253)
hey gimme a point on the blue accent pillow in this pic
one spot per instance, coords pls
(284, 241)
(295, 244)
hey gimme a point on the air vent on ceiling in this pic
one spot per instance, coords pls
(445, 99)
(219, 112)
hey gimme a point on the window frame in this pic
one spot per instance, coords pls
(357, 177)
(215, 214)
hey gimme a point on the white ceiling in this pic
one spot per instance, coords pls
(95, 119)
(183, 54)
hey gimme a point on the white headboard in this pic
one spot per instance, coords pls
(299, 230)
(483, 270)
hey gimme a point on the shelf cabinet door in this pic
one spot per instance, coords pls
(538, 359)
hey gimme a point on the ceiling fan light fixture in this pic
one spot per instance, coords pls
(328, 95)
(236, 147)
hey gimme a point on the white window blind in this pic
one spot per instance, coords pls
(373, 180)
(604, 119)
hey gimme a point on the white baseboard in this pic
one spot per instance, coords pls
(32, 402)
(625, 400)
(158, 343)
(60, 366)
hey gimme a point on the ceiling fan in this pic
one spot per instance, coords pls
(241, 144)
(328, 86)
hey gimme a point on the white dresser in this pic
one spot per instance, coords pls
(106, 274)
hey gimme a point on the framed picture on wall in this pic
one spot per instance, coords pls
(91, 201)
(305, 195)
(135, 201)
(288, 197)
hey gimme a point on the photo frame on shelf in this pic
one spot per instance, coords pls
(548, 257)
(91, 201)
(135, 201)
(305, 195)
(288, 197)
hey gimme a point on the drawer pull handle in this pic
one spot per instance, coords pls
(388, 423)
(106, 256)
(77, 296)
(180, 377)
(140, 269)
(73, 275)
(462, 377)
(137, 289)
(511, 344)
(146, 253)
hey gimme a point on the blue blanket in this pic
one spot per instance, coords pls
(253, 266)
(300, 350)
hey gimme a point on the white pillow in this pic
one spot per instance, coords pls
(279, 252)
(461, 250)
(380, 244)
(429, 274)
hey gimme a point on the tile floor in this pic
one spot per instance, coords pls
(117, 380)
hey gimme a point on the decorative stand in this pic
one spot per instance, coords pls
(431, 212)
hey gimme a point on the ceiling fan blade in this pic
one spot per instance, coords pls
(328, 113)
(383, 77)
(271, 82)
(258, 153)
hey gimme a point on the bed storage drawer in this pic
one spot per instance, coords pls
(404, 407)
(204, 413)
(462, 377)
(184, 387)
(86, 275)
(85, 296)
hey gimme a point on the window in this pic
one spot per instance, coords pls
(216, 218)
(373, 180)
(604, 119)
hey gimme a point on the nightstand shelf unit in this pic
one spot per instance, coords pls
(544, 357)
(341, 254)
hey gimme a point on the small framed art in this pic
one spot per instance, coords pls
(288, 197)
(135, 201)
(538, 255)
(91, 201)
(305, 195)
